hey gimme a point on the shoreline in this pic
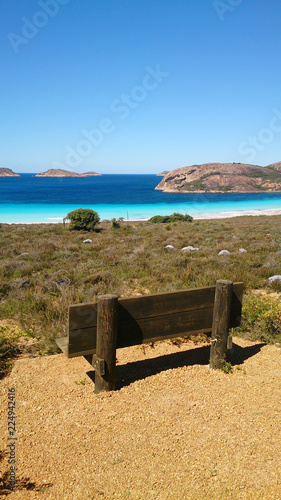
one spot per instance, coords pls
(238, 213)
(203, 216)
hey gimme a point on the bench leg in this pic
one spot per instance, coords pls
(105, 366)
(221, 322)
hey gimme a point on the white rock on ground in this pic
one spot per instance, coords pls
(170, 247)
(190, 248)
(242, 250)
(88, 241)
(224, 252)
(276, 277)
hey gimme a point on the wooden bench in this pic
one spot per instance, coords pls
(96, 330)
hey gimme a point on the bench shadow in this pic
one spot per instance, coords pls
(139, 370)
(239, 354)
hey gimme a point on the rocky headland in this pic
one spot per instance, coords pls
(162, 174)
(57, 172)
(8, 172)
(223, 177)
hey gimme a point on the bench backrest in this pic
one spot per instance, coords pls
(149, 318)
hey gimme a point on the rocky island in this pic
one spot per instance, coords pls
(57, 172)
(7, 172)
(162, 174)
(222, 178)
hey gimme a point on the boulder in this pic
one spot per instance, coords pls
(276, 277)
(88, 241)
(190, 248)
(224, 252)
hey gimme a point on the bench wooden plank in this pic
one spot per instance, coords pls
(149, 318)
(82, 315)
(134, 332)
(85, 315)
(138, 331)
(146, 306)
(149, 306)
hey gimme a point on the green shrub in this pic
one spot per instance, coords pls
(83, 219)
(116, 223)
(261, 318)
(226, 367)
(170, 218)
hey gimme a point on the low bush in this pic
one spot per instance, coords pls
(170, 218)
(83, 219)
(261, 318)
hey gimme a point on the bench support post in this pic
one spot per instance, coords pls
(105, 368)
(221, 322)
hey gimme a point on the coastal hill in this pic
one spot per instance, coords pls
(222, 177)
(64, 173)
(7, 172)
(276, 166)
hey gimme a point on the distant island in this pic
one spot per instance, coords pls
(165, 172)
(7, 172)
(223, 178)
(64, 173)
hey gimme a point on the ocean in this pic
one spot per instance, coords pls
(30, 199)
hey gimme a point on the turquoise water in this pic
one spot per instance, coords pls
(42, 213)
(28, 199)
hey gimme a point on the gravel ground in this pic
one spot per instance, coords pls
(173, 430)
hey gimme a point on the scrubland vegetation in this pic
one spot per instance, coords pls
(45, 268)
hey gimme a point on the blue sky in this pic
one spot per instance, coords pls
(130, 86)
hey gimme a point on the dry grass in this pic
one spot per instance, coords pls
(44, 268)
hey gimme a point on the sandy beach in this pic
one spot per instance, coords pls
(240, 213)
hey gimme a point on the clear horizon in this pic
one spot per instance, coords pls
(138, 88)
